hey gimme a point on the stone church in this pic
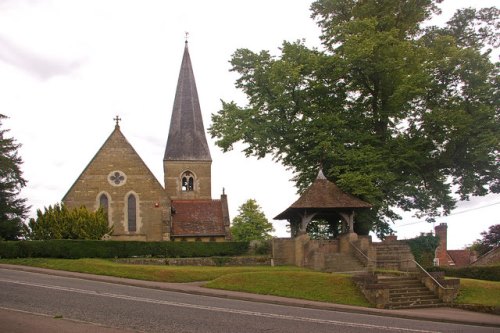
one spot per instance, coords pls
(137, 205)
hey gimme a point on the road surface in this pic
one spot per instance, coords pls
(77, 305)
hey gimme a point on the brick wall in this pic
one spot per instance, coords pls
(441, 231)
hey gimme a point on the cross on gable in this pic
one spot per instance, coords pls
(117, 119)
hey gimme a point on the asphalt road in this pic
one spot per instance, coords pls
(77, 305)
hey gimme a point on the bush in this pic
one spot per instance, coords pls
(74, 249)
(60, 222)
(260, 247)
(423, 248)
(491, 273)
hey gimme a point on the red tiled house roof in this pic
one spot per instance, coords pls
(460, 258)
(197, 218)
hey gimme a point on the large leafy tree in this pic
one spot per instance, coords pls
(13, 209)
(251, 223)
(490, 240)
(400, 115)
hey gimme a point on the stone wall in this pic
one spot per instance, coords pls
(283, 251)
(118, 159)
(202, 171)
(320, 255)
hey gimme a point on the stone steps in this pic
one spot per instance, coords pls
(393, 255)
(415, 304)
(408, 292)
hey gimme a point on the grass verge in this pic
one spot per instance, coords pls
(283, 281)
(479, 292)
(160, 273)
(280, 281)
(315, 286)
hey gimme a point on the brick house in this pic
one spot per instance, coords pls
(445, 257)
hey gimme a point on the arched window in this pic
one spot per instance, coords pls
(104, 203)
(131, 213)
(187, 181)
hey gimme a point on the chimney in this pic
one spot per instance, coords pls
(441, 256)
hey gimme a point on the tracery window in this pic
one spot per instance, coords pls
(117, 178)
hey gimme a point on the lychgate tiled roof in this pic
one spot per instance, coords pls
(197, 218)
(323, 194)
(186, 137)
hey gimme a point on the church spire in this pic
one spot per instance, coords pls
(186, 138)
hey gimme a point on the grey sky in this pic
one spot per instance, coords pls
(67, 67)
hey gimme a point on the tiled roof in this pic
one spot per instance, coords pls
(186, 137)
(460, 257)
(324, 194)
(197, 218)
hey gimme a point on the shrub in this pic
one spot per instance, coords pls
(423, 248)
(260, 247)
(59, 222)
(120, 249)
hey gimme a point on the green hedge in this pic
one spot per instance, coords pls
(118, 249)
(491, 273)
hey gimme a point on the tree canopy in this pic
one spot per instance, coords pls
(490, 240)
(13, 209)
(400, 114)
(251, 223)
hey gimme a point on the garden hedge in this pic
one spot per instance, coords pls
(73, 249)
(491, 273)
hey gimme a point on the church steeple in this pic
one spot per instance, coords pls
(186, 137)
(187, 162)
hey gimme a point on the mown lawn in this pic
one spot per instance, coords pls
(324, 287)
(284, 281)
(479, 292)
(160, 273)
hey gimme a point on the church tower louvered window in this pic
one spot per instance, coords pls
(187, 180)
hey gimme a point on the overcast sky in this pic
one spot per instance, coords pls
(68, 67)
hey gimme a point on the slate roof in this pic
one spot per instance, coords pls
(323, 194)
(186, 137)
(197, 218)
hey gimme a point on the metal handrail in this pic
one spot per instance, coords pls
(433, 279)
(417, 264)
(362, 253)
